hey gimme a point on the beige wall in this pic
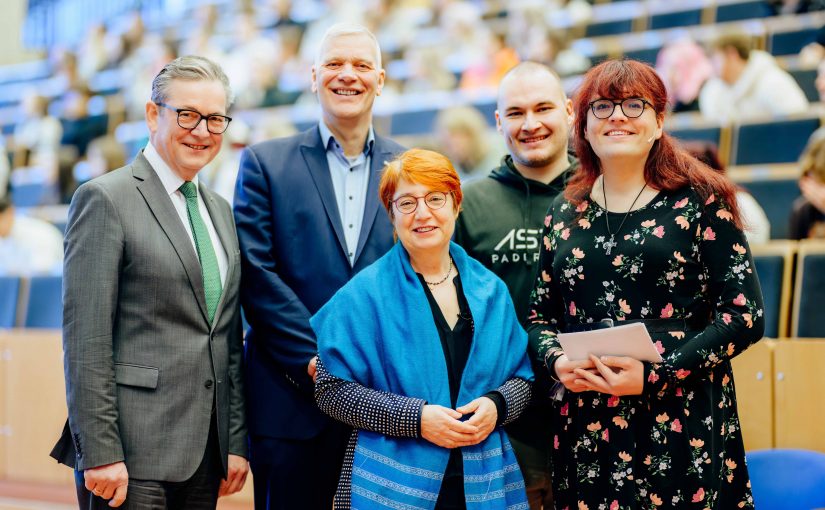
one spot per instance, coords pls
(11, 33)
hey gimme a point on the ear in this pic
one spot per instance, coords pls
(314, 87)
(381, 76)
(498, 123)
(152, 116)
(660, 121)
(571, 114)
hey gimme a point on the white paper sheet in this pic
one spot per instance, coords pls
(627, 340)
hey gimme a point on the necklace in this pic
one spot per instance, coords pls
(610, 244)
(439, 282)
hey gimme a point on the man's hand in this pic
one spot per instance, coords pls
(312, 368)
(484, 416)
(108, 482)
(441, 426)
(237, 468)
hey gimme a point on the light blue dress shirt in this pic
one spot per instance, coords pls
(350, 178)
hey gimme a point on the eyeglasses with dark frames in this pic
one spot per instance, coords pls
(632, 107)
(189, 119)
(408, 204)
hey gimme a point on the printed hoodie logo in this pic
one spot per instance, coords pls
(518, 245)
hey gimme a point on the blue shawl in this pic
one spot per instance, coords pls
(378, 331)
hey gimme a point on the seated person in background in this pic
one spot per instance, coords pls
(808, 213)
(749, 84)
(27, 245)
(757, 225)
(684, 67)
(463, 135)
(423, 354)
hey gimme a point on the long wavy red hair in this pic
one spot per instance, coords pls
(668, 167)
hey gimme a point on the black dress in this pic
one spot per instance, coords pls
(678, 444)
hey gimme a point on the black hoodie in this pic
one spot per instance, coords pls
(501, 221)
(500, 225)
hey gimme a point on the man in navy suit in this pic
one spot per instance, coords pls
(308, 220)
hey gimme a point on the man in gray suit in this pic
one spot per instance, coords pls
(151, 327)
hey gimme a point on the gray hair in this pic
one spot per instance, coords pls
(189, 68)
(340, 29)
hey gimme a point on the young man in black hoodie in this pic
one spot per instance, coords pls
(501, 223)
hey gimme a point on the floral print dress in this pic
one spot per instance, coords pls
(678, 444)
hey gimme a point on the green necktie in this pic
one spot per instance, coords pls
(209, 262)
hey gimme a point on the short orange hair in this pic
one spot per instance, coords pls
(421, 166)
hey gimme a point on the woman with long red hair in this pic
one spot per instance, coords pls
(644, 233)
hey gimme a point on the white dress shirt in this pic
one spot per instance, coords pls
(171, 182)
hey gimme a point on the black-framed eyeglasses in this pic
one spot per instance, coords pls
(189, 119)
(407, 204)
(632, 107)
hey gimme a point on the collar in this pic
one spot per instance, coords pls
(170, 180)
(330, 143)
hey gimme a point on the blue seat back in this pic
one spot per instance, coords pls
(697, 134)
(32, 194)
(778, 141)
(811, 290)
(776, 197)
(787, 479)
(9, 291)
(769, 270)
(676, 19)
(806, 79)
(617, 27)
(791, 42)
(45, 304)
(743, 10)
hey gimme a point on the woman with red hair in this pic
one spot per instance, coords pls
(422, 353)
(644, 233)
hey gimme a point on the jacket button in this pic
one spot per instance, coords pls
(208, 383)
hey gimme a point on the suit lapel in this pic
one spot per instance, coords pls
(314, 153)
(224, 228)
(160, 204)
(371, 204)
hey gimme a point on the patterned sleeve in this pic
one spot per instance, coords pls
(516, 393)
(738, 318)
(546, 305)
(365, 408)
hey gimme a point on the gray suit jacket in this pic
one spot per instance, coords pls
(143, 366)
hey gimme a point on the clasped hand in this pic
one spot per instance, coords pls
(442, 426)
(614, 375)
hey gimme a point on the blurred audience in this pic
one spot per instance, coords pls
(463, 135)
(748, 84)
(756, 223)
(28, 246)
(79, 126)
(37, 134)
(684, 68)
(807, 219)
(103, 155)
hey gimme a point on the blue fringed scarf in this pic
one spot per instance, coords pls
(378, 331)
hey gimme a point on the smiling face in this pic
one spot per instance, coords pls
(534, 117)
(425, 229)
(622, 137)
(186, 151)
(347, 77)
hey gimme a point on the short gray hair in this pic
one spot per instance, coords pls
(189, 68)
(339, 29)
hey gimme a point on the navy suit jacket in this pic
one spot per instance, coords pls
(294, 259)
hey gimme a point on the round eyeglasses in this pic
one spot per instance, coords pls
(407, 204)
(189, 119)
(632, 107)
